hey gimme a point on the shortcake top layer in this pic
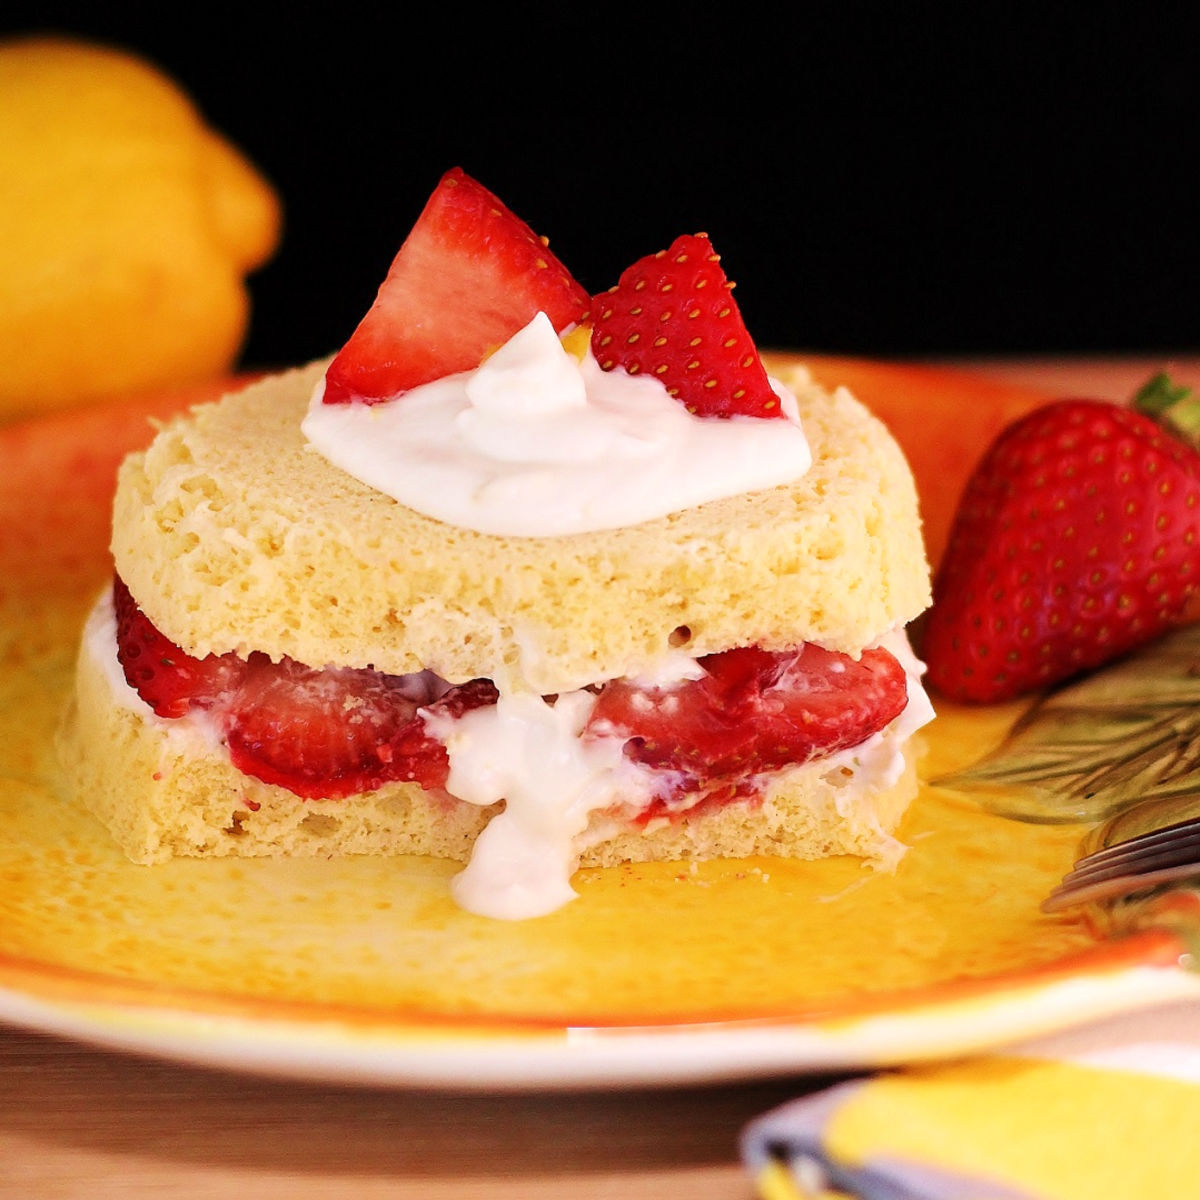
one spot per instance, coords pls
(233, 534)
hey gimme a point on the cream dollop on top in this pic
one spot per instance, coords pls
(537, 443)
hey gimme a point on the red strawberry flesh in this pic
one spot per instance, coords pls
(754, 711)
(672, 316)
(171, 681)
(469, 275)
(331, 733)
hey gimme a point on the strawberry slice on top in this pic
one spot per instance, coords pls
(672, 315)
(469, 275)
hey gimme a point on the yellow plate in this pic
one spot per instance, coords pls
(363, 970)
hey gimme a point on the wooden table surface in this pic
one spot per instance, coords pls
(81, 1122)
(78, 1121)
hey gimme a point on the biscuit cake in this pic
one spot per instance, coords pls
(719, 679)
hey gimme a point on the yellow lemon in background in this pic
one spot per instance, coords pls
(127, 228)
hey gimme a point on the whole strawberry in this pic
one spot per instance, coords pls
(1077, 539)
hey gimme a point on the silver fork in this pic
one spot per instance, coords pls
(1142, 862)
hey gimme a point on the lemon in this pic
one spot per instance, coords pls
(127, 229)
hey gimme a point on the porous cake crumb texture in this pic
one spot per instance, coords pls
(233, 534)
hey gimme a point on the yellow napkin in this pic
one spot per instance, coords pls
(1110, 1110)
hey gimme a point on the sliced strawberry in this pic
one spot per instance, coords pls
(171, 681)
(338, 731)
(754, 711)
(672, 315)
(469, 275)
(319, 733)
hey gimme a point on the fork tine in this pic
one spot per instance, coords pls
(1161, 852)
(1067, 896)
(1167, 833)
(1159, 856)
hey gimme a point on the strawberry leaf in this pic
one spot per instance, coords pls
(1121, 738)
(1175, 407)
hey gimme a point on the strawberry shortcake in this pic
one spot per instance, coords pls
(522, 577)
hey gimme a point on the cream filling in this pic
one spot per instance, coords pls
(529, 754)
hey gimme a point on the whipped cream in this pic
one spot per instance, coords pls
(529, 754)
(537, 443)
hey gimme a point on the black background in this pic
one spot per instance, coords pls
(879, 180)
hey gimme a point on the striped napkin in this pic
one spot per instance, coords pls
(1108, 1110)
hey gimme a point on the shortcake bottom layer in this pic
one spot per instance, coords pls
(164, 789)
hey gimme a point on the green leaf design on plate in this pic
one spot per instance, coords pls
(1123, 736)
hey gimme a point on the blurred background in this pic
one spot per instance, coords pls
(890, 186)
